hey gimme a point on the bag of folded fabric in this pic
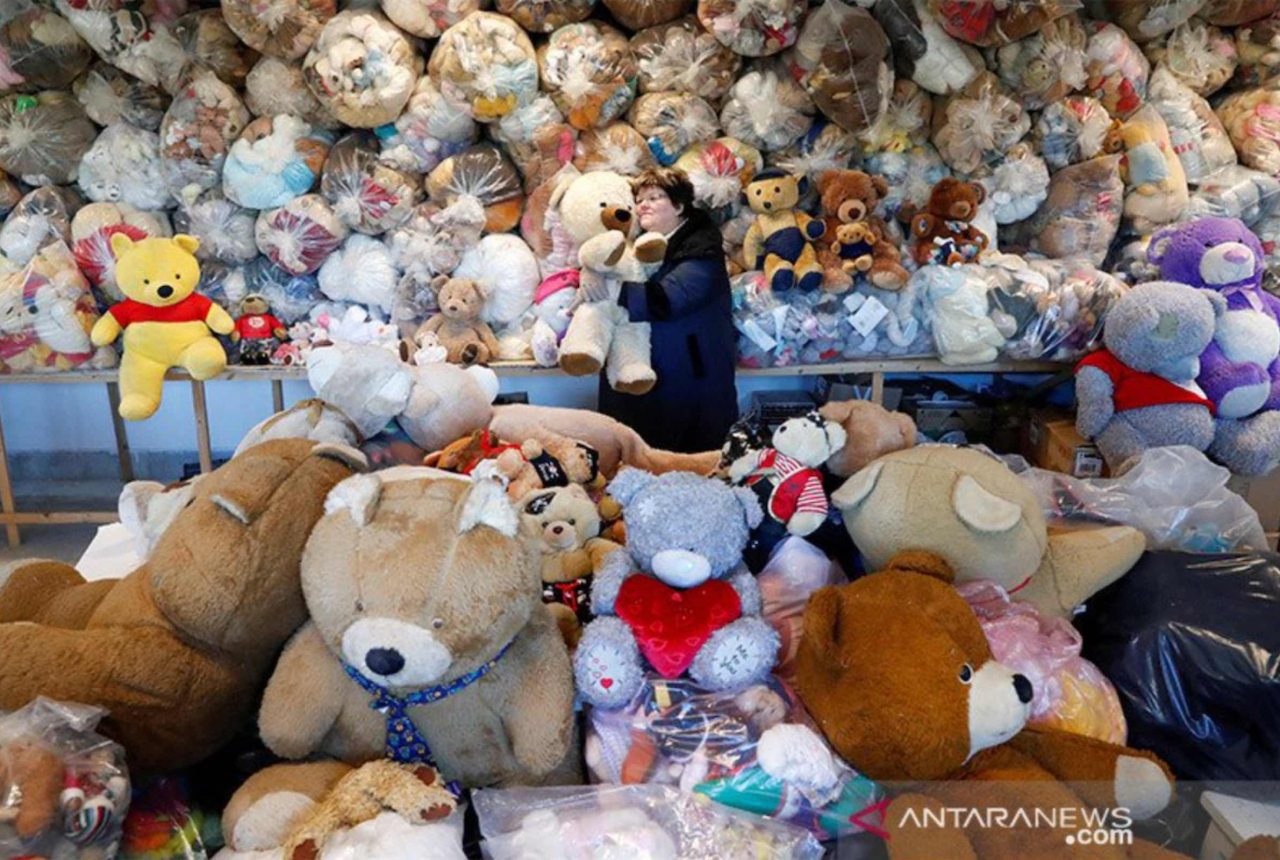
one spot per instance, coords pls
(842, 60)
(990, 24)
(363, 68)
(482, 173)
(617, 147)
(275, 86)
(300, 235)
(39, 50)
(223, 227)
(671, 123)
(41, 218)
(681, 57)
(278, 28)
(977, 126)
(487, 63)
(43, 137)
(110, 96)
(1198, 136)
(752, 28)
(91, 232)
(590, 73)
(274, 160)
(766, 108)
(367, 194)
(135, 36)
(431, 129)
(537, 139)
(205, 118)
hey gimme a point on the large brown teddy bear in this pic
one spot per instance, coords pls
(849, 200)
(944, 233)
(897, 671)
(467, 338)
(177, 651)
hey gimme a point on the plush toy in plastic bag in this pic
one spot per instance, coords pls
(767, 109)
(682, 57)
(753, 28)
(64, 789)
(617, 148)
(1233, 13)
(841, 59)
(293, 298)
(1118, 70)
(487, 63)
(482, 173)
(1043, 68)
(1197, 54)
(224, 228)
(46, 314)
(825, 146)
(1072, 130)
(125, 165)
(430, 243)
(210, 44)
(794, 571)
(1082, 212)
(362, 68)
(428, 18)
(590, 73)
(1017, 185)
(300, 235)
(430, 130)
(110, 96)
(1252, 118)
(164, 823)
(43, 137)
(135, 36)
(1071, 695)
(279, 28)
(1235, 192)
(1199, 139)
(637, 15)
(40, 50)
(719, 171)
(542, 227)
(996, 23)
(275, 86)
(368, 195)
(537, 139)
(911, 176)
(507, 272)
(10, 194)
(543, 16)
(904, 124)
(956, 297)
(1257, 59)
(206, 116)
(639, 822)
(755, 750)
(41, 218)
(274, 161)
(673, 122)
(977, 126)
(91, 232)
(923, 52)
(1151, 19)
(1156, 185)
(363, 271)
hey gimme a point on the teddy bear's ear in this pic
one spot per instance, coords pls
(836, 436)
(359, 495)
(487, 504)
(802, 185)
(750, 506)
(981, 189)
(190, 244)
(982, 510)
(438, 282)
(822, 626)
(628, 482)
(1158, 246)
(563, 180)
(836, 410)
(351, 457)
(826, 177)
(537, 502)
(881, 185)
(120, 243)
(856, 489)
(924, 563)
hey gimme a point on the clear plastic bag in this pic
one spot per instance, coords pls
(43, 137)
(959, 314)
(988, 23)
(1173, 495)
(368, 195)
(753, 28)
(224, 228)
(1258, 61)
(125, 165)
(911, 176)
(10, 194)
(275, 160)
(1082, 212)
(673, 122)
(842, 60)
(617, 147)
(640, 822)
(67, 788)
(1017, 185)
(431, 129)
(362, 68)
(432, 243)
(164, 824)
(590, 73)
(1151, 19)
(135, 36)
(719, 171)
(1233, 13)
(46, 313)
(767, 108)
(91, 232)
(484, 174)
(1235, 192)
(542, 227)
(198, 129)
(537, 139)
(682, 57)
(1197, 54)
(1252, 118)
(507, 272)
(299, 236)
(543, 16)
(40, 219)
(977, 126)
(486, 62)
(1071, 695)
(363, 271)
(1199, 139)
(109, 96)
(210, 44)
(292, 297)
(1156, 187)
(428, 18)
(1073, 130)
(639, 14)
(1043, 68)
(903, 125)
(288, 32)
(795, 570)
(275, 86)
(40, 50)
(1118, 70)
(923, 51)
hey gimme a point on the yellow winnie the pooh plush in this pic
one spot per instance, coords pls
(165, 322)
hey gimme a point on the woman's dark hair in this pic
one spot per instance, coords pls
(672, 181)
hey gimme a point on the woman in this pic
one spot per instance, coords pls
(688, 306)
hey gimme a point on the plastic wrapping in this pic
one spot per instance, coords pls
(210, 44)
(507, 272)
(275, 86)
(956, 297)
(1197, 54)
(135, 36)
(40, 50)
(279, 28)
(428, 18)
(1252, 118)
(1072, 130)
(825, 146)
(363, 271)
(430, 130)
(362, 68)
(1191, 643)
(1198, 137)
(753, 28)
(198, 129)
(368, 195)
(719, 172)
(590, 73)
(125, 165)
(673, 122)
(109, 96)
(1233, 13)
(543, 16)
(482, 173)
(537, 139)
(43, 137)
(292, 297)
(977, 126)
(542, 227)
(841, 59)
(41, 218)
(1148, 20)
(639, 14)
(1082, 213)
(91, 232)
(46, 313)
(923, 52)
(996, 23)
(1257, 60)
(431, 243)
(1118, 70)
(754, 750)
(274, 161)
(1018, 185)
(911, 175)
(10, 194)
(639, 822)
(618, 148)
(486, 62)
(67, 791)
(682, 57)
(794, 571)
(1235, 192)
(767, 109)
(1071, 695)
(164, 824)
(1041, 69)
(1156, 187)
(224, 228)
(300, 235)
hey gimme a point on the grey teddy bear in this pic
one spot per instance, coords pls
(677, 598)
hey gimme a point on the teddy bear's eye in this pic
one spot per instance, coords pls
(966, 674)
(437, 623)
(359, 606)
(178, 276)
(146, 280)
(602, 205)
(573, 522)
(777, 189)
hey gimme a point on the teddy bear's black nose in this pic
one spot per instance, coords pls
(1021, 686)
(164, 292)
(388, 661)
(559, 530)
(622, 215)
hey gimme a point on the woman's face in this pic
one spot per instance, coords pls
(656, 211)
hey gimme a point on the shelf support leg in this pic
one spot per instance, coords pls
(122, 435)
(202, 426)
(6, 494)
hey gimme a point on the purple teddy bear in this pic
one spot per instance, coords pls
(1240, 369)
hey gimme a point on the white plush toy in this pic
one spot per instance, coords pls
(147, 508)
(962, 327)
(553, 304)
(801, 445)
(362, 270)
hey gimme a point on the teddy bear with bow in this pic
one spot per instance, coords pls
(861, 244)
(944, 233)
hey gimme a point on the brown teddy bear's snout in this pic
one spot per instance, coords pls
(616, 218)
(559, 534)
(961, 209)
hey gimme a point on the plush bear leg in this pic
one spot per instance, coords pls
(141, 381)
(1258, 848)
(204, 359)
(628, 366)
(808, 270)
(586, 344)
(48, 592)
(266, 809)
(907, 840)
(736, 655)
(607, 666)
(1121, 445)
(1250, 447)
(1273, 400)
(779, 273)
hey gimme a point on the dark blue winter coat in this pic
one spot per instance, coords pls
(689, 308)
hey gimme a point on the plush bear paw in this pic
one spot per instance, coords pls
(580, 363)
(138, 407)
(1141, 787)
(888, 280)
(810, 281)
(635, 378)
(783, 280)
(607, 666)
(803, 524)
(736, 655)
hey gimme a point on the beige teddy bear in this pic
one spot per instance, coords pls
(467, 339)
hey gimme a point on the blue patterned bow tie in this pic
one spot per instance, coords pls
(405, 744)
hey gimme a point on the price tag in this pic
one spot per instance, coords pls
(758, 336)
(868, 316)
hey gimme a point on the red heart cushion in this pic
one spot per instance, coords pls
(671, 625)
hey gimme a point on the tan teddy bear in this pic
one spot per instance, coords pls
(466, 337)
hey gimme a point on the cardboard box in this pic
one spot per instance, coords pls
(1053, 443)
(944, 418)
(1263, 495)
(1234, 820)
